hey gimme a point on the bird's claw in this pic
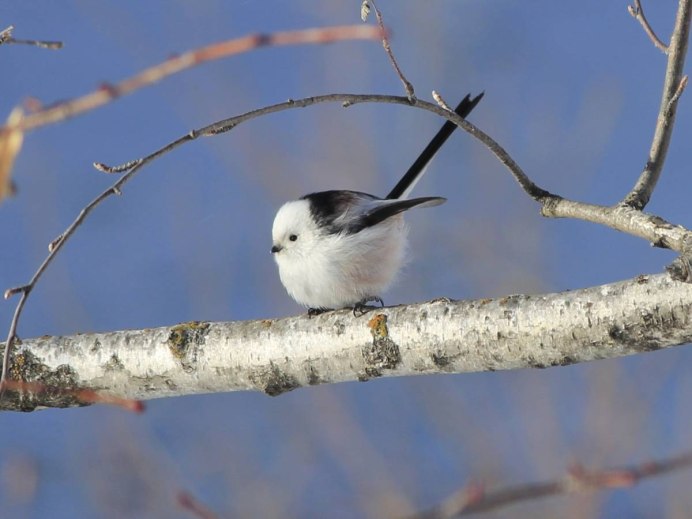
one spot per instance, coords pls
(362, 307)
(312, 312)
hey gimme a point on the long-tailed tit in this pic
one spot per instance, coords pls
(339, 249)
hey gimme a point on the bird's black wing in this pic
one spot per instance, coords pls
(350, 212)
(333, 211)
(381, 212)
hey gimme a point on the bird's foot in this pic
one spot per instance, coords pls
(362, 307)
(312, 312)
(376, 300)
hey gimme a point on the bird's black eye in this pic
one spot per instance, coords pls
(293, 237)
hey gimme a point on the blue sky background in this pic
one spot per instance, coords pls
(572, 92)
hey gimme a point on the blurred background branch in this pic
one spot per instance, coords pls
(18, 123)
(475, 499)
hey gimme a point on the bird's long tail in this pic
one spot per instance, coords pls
(415, 172)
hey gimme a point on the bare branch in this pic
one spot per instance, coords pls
(472, 500)
(6, 38)
(637, 13)
(108, 92)
(654, 229)
(278, 355)
(388, 49)
(641, 193)
(459, 502)
(347, 100)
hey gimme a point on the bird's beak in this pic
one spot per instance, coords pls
(276, 248)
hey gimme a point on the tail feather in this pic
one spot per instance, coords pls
(415, 172)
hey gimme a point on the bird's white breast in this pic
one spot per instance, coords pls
(340, 270)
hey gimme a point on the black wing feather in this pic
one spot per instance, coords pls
(327, 206)
(329, 210)
(380, 214)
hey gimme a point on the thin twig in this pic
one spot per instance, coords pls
(388, 49)
(641, 193)
(108, 92)
(225, 125)
(637, 13)
(455, 504)
(676, 96)
(577, 479)
(440, 101)
(6, 37)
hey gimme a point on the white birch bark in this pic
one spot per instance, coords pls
(274, 356)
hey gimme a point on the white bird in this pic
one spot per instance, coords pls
(338, 249)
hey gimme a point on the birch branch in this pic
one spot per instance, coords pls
(275, 356)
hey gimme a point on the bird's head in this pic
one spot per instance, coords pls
(294, 231)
